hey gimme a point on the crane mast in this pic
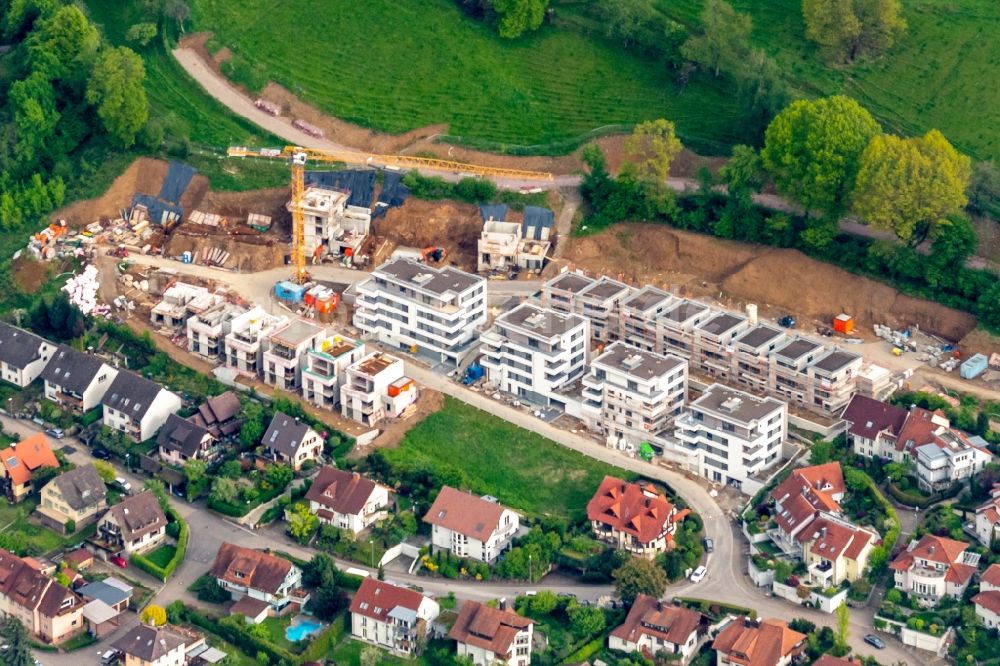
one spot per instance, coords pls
(298, 218)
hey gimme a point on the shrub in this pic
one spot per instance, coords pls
(163, 573)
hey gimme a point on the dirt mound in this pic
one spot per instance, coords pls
(249, 250)
(143, 175)
(777, 280)
(29, 275)
(237, 205)
(453, 226)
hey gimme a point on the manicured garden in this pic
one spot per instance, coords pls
(161, 556)
(25, 538)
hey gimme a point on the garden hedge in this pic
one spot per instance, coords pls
(238, 636)
(163, 573)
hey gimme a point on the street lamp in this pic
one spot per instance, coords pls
(372, 560)
(127, 468)
(530, 576)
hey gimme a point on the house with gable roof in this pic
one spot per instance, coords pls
(934, 567)
(633, 518)
(137, 406)
(987, 602)
(988, 518)
(77, 495)
(144, 645)
(259, 575)
(181, 440)
(21, 460)
(219, 415)
(396, 618)
(347, 500)
(290, 442)
(746, 642)
(49, 611)
(135, 525)
(653, 627)
(490, 636)
(470, 526)
(75, 380)
(23, 355)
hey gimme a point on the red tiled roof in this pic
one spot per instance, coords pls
(464, 513)
(821, 476)
(932, 548)
(376, 598)
(488, 628)
(830, 660)
(626, 507)
(758, 644)
(917, 430)
(991, 575)
(250, 568)
(959, 574)
(831, 539)
(649, 616)
(343, 492)
(858, 543)
(989, 600)
(869, 417)
(247, 606)
(22, 459)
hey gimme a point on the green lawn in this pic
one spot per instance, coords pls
(276, 628)
(161, 556)
(491, 456)
(397, 65)
(16, 531)
(349, 652)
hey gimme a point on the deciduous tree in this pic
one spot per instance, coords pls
(62, 43)
(519, 16)
(302, 523)
(911, 186)
(846, 29)
(624, 19)
(639, 576)
(586, 621)
(225, 490)
(116, 90)
(984, 187)
(153, 615)
(105, 470)
(812, 148)
(651, 148)
(724, 41)
(141, 33)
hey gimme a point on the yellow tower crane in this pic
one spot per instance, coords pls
(298, 156)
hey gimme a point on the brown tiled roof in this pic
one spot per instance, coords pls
(628, 508)
(959, 573)
(138, 515)
(23, 458)
(250, 568)
(488, 628)
(218, 414)
(149, 643)
(464, 513)
(990, 600)
(650, 616)
(376, 598)
(917, 430)
(340, 491)
(830, 660)
(817, 483)
(758, 643)
(247, 606)
(27, 587)
(991, 575)
(868, 417)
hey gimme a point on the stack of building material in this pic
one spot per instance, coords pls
(82, 290)
(214, 256)
(270, 108)
(259, 222)
(308, 128)
(208, 219)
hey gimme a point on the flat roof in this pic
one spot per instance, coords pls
(721, 323)
(836, 360)
(572, 282)
(540, 320)
(373, 364)
(647, 297)
(297, 332)
(759, 335)
(685, 310)
(797, 348)
(733, 404)
(637, 362)
(435, 280)
(605, 288)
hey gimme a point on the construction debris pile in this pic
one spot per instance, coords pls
(58, 240)
(930, 350)
(82, 290)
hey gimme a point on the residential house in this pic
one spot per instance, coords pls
(286, 354)
(390, 616)
(434, 312)
(732, 436)
(873, 427)
(988, 518)
(951, 457)
(802, 497)
(322, 209)
(21, 461)
(375, 388)
(135, 525)
(75, 497)
(325, 370)
(290, 442)
(180, 301)
(987, 602)
(248, 338)
(259, 575)
(632, 517)
(488, 636)
(144, 645)
(630, 394)
(49, 611)
(653, 627)
(536, 238)
(181, 440)
(207, 331)
(137, 406)
(638, 314)
(746, 642)
(934, 567)
(76, 381)
(836, 550)
(470, 526)
(219, 415)
(497, 245)
(23, 355)
(347, 500)
(532, 353)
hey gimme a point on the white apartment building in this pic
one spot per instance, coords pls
(596, 300)
(375, 388)
(136, 406)
(630, 394)
(470, 526)
(285, 355)
(23, 355)
(532, 352)
(180, 301)
(75, 380)
(733, 436)
(249, 338)
(325, 370)
(424, 310)
(207, 331)
(638, 314)
(396, 618)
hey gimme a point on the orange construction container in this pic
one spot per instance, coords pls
(843, 323)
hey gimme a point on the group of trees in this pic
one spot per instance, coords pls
(847, 29)
(513, 17)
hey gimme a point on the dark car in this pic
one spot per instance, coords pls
(874, 641)
(709, 545)
(788, 321)
(101, 454)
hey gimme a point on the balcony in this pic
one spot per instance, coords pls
(821, 573)
(283, 352)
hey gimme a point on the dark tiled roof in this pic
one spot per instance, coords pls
(285, 434)
(219, 413)
(131, 394)
(18, 347)
(71, 370)
(81, 487)
(181, 435)
(868, 417)
(27, 587)
(149, 643)
(340, 491)
(138, 515)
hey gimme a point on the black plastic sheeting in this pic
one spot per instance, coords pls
(178, 178)
(156, 207)
(498, 212)
(361, 184)
(393, 193)
(536, 219)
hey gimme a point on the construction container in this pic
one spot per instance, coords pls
(974, 366)
(400, 385)
(289, 291)
(843, 323)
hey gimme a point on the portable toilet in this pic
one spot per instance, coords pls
(289, 291)
(843, 323)
(974, 366)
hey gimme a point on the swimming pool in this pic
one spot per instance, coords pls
(302, 629)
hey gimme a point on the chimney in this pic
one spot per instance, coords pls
(822, 532)
(930, 549)
(503, 603)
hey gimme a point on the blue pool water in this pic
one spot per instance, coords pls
(302, 630)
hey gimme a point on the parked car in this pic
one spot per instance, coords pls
(57, 433)
(874, 641)
(118, 561)
(123, 485)
(101, 454)
(709, 545)
(699, 574)
(111, 657)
